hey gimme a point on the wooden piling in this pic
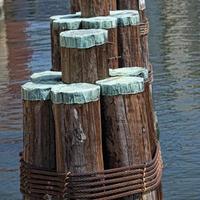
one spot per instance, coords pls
(83, 55)
(59, 24)
(38, 128)
(151, 121)
(77, 116)
(129, 46)
(125, 124)
(109, 23)
(140, 6)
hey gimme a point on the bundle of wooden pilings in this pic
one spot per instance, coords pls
(89, 123)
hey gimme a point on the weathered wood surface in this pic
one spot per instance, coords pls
(150, 116)
(129, 46)
(55, 49)
(39, 136)
(78, 137)
(112, 49)
(84, 65)
(126, 136)
(92, 8)
(75, 5)
(127, 4)
(134, 4)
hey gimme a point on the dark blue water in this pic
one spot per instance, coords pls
(175, 55)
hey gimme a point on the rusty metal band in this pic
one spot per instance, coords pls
(105, 185)
(144, 28)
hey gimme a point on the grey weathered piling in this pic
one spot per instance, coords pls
(83, 55)
(126, 135)
(77, 117)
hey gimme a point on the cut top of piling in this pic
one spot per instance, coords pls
(103, 22)
(126, 17)
(36, 92)
(77, 93)
(47, 77)
(84, 38)
(129, 71)
(115, 86)
(67, 24)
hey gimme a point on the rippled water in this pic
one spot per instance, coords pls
(175, 54)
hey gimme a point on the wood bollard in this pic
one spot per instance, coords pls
(125, 124)
(142, 72)
(38, 131)
(75, 5)
(140, 6)
(129, 46)
(59, 24)
(110, 24)
(77, 116)
(93, 8)
(83, 55)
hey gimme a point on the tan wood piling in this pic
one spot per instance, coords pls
(39, 132)
(83, 55)
(77, 116)
(126, 135)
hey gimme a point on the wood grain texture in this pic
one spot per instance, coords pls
(127, 4)
(93, 8)
(55, 49)
(84, 65)
(129, 46)
(75, 5)
(39, 135)
(78, 138)
(126, 135)
(150, 117)
(112, 48)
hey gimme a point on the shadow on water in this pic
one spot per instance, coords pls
(175, 54)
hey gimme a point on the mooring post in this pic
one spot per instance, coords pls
(129, 46)
(59, 24)
(83, 55)
(77, 117)
(144, 25)
(142, 72)
(109, 23)
(39, 134)
(126, 136)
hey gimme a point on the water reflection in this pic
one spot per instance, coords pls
(177, 93)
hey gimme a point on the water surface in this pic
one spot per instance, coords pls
(175, 55)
